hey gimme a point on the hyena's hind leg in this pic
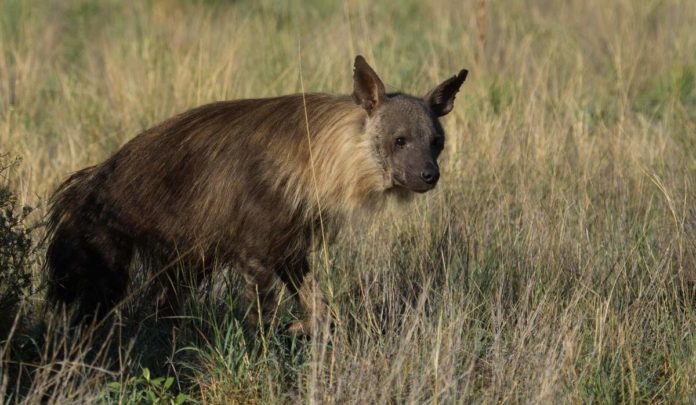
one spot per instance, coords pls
(88, 268)
(312, 302)
(260, 293)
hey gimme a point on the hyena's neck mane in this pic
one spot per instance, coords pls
(331, 163)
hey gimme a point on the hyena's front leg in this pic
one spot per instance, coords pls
(312, 301)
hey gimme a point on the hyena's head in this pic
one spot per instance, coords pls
(407, 133)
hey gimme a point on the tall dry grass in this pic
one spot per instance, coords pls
(554, 262)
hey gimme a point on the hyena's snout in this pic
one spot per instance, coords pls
(430, 174)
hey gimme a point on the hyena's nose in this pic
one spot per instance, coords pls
(430, 175)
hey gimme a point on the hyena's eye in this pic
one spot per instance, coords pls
(400, 141)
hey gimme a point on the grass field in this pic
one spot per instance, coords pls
(555, 261)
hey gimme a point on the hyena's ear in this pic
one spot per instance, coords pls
(441, 98)
(368, 89)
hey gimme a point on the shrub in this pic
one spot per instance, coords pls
(16, 249)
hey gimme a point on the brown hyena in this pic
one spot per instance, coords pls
(243, 182)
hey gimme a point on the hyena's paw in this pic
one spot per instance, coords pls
(300, 328)
(310, 327)
(317, 318)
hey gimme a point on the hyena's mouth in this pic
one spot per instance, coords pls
(422, 188)
(413, 183)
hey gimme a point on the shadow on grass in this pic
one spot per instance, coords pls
(139, 354)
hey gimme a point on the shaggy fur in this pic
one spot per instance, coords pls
(244, 182)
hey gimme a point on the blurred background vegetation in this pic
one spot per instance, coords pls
(555, 261)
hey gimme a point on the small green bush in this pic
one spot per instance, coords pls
(145, 390)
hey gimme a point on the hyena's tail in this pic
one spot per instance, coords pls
(87, 258)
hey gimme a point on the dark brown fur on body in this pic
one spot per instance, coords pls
(243, 182)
